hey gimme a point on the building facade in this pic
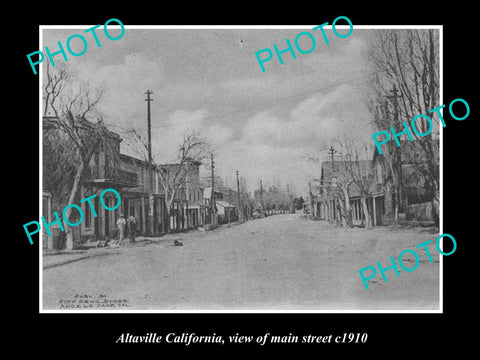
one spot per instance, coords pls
(137, 182)
(337, 181)
(379, 192)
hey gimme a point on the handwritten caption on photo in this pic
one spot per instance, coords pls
(91, 302)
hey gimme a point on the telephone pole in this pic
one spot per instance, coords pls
(212, 196)
(332, 151)
(150, 185)
(398, 153)
(261, 196)
(290, 203)
(149, 124)
(240, 212)
(187, 195)
(229, 200)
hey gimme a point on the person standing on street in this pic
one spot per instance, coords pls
(132, 227)
(121, 223)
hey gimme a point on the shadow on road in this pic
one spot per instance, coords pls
(71, 260)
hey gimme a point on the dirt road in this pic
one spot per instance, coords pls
(282, 262)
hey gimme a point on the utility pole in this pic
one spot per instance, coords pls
(212, 196)
(332, 151)
(261, 196)
(149, 124)
(229, 199)
(187, 194)
(290, 203)
(400, 191)
(150, 185)
(240, 213)
(335, 195)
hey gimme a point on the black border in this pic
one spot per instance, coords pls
(90, 334)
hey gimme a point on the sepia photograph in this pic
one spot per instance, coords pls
(241, 168)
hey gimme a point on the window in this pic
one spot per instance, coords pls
(379, 173)
(106, 171)
(88, 215)
(96, 165)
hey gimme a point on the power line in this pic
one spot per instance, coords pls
(276, 102)
(273, 103)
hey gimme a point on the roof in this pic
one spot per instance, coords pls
(129, 158)
(373, 188)
(340, 166)
(187, 161)
(224, 204)
(49, 121)
(207, 192)
(199, 206)
(200, 203)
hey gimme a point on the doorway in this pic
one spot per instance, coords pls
(96, 220)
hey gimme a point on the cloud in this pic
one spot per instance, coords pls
(258, 123)
(311, 121)
(257, 161)
(271, 144)
(218, 136)
(135, 70)
(355, 45)
(183, 120)
(168, 135)
(344, 61)
(125, 84)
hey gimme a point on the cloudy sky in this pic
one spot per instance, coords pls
(259, 123)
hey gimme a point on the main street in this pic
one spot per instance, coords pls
(283, 262)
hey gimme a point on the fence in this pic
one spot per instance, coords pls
(420, 212)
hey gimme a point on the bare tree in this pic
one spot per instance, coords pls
(344, 200)
(59, 165)
(408, 60)
(55, 82)
(338, 187)
(79, 126)
(173, 177)
(359, 171)
(390, 160)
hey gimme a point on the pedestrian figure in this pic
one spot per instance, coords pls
(121, 223)
(132, 227)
